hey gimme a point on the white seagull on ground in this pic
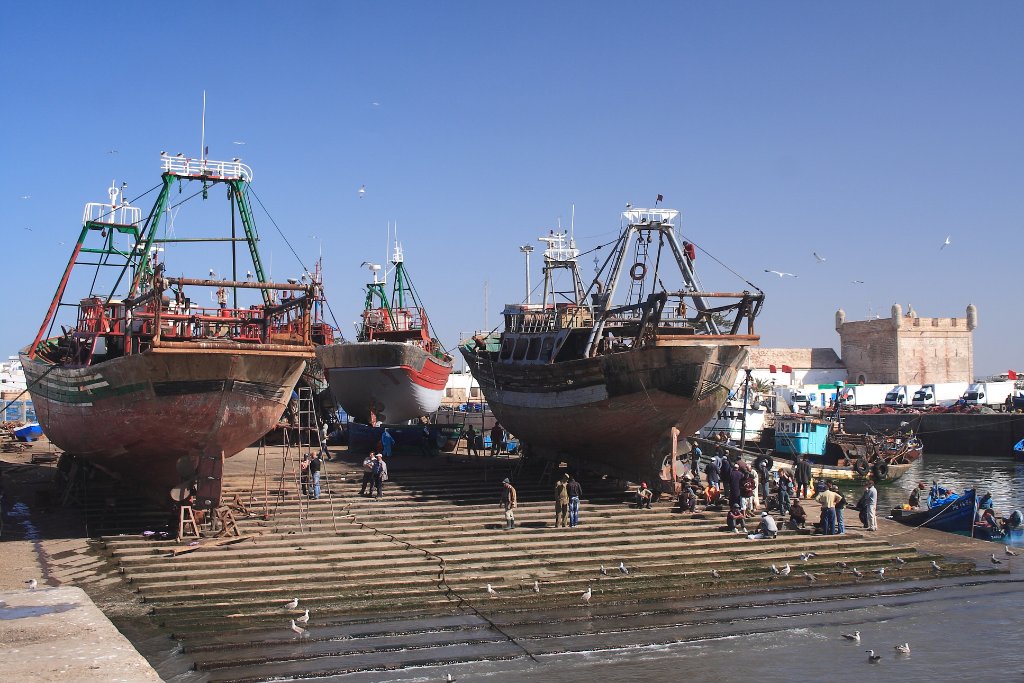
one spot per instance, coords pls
(780, 273)
(810, 577)
(491, 591)
(292, 604)
(716, 574)
(856, 572)
(304, 619)
(604, 571)
(536, 586)
(623, 568)
(785, 570)
(298, 629)
(881, 572)
(1009, 552)
(996, 560)
(587, 594)
(935, 566)
(900, 560)
(775, 570)
(32, 584)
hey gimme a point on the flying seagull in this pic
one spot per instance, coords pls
(872, 657)
(819, 259)
(856, 282)
(587, 594)
(623, 568)
(362, 191)
(903, 649)
(32, 584)
(304, 619)
(112, 151)
(292, 604)
(855, 636)
(780, 273)
(945, 244)
(26, 196)
(238, 142)
(298, 629)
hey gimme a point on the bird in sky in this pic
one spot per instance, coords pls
(856, 282)
(780, 273)
(238, 142)
(872, 657)
(995, 560)
(29, 229)
(623, 568)
(304, 619)
(855, 636)
(587, 594)
(903, 649)
(292, 604)
(32, 584)
(536, 586)
(818, 258)
(26, 196)
(1009, 552)
(213, 273)
(362, 191)
(112, 151)
(946, 243)
(375, 104)
(297, 629)
(490, 591)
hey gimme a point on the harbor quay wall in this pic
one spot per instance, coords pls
(949, 433)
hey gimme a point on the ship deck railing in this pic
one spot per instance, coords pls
(180, 165)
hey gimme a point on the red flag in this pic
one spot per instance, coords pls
(1011, 375)
(786, 368)
(771, 368)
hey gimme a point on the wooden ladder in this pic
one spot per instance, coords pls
(187, 523)
(228, 527)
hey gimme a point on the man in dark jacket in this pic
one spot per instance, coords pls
(575, 492)
(802, 476)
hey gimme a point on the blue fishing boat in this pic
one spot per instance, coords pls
(946, 512)
(408, 437)
(1018, 451)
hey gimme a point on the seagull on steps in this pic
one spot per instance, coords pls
(856, 572)
(623, 568)
(811, 578)
(936, 567)
(785, 570)
(900, 560)
(775, 570)
(806, 556)
(490, 591)
(304, 619)
(536, 586)
(32, 584)
(881, 572)
(292, 604)
(1009, 552)
(604, 572)
(587, 594)
(297, 629)
(715, 574)
(855, 636)
(995, 560)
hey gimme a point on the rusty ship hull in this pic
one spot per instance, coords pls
(612, 414)
(384, 381)
(137, 416)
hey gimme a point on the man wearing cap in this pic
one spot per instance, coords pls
(368, 473)
(734, 519)
(508, 502)
(380, 475)
(562, 501)
(768, 528)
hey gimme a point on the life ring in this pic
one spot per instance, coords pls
(638, 271)
(861, 466)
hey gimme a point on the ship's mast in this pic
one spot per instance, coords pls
(561, 254)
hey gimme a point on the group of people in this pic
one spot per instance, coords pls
(568, 492)
(474, 441)
(375, 473)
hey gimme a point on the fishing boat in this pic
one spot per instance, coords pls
(1018, 451)
(396, 370)
(737, 422)
(840, 455)
(945, 512)
(144, 376)
(578, 377)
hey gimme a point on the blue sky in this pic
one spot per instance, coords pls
(866, 132)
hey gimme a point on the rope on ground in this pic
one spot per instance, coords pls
(442, 580)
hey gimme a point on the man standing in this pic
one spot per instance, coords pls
(575, 492)
(304, 475)
(870, 505)
(497, 439)
(508, 502)
(314, 471)
(368, 473)
(471, 448)
(695, 455)
(562, 501)
(380, 474)
(387, 442)
(802, 476)
(828, 499)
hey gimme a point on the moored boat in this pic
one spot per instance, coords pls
(395, 370)
(145, 381)
(1018, 450)
(950, 512)
(577, 377)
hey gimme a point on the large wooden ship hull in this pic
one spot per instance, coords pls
(137, 416)
(613, 413)
(384, 381)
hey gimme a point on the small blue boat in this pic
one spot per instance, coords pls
(29, 432)
(408, 438)
(1018, 451)
(950, 512)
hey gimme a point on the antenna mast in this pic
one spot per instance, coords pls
(202, 139)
